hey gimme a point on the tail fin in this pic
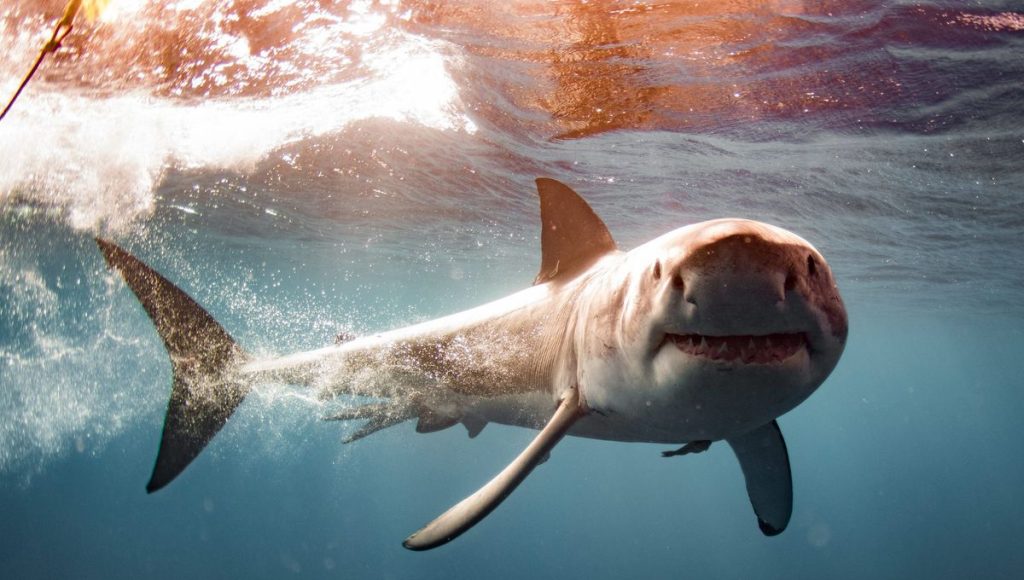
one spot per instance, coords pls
(203, 357)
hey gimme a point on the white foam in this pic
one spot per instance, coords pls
(101, 158)
(71, 388)
(56, 394)
(96, 162)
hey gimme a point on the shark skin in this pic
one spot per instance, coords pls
(707, 333)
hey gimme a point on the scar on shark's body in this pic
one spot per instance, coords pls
(707, 333)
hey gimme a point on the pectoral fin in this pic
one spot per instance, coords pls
(474, 508)
(765, 463)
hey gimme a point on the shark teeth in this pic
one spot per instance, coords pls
(749, 349)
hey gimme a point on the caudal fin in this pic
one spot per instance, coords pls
(203, 355)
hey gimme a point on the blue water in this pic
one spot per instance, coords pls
(308, 168)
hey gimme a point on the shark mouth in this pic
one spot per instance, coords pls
(763, 349)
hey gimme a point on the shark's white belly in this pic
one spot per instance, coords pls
(532, 410)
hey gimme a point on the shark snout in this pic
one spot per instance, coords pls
(745, 277)
(735, 292)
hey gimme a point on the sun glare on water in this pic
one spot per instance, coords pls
(110, 10)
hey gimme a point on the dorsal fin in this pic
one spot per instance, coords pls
(572, 237)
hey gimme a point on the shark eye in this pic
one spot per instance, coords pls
(657, 269)
(812, 266)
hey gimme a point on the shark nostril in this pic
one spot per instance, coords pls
(677, 282)
(679, 285)
(790, 281)
(812, 266)
(657, 269)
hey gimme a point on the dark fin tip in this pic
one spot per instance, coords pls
(408, 545)
(768, 529)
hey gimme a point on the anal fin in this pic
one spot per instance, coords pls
(474, 425)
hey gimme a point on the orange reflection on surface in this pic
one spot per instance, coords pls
(600, 66)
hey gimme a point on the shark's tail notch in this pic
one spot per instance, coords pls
(204, 358)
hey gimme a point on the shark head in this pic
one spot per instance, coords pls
(709, 331)
(746, 313)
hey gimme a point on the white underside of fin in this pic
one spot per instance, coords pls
(474, 508)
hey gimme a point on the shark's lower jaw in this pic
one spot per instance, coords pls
(745, 348)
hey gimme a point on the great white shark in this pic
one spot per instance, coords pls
(707, 333)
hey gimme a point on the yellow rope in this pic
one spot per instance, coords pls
(60, 32)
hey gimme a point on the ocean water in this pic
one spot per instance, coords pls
(312, 167)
